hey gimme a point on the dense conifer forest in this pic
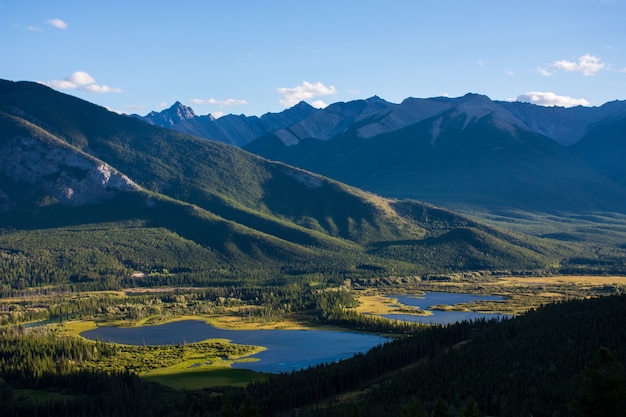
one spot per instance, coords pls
(561, 359)
(109, 221)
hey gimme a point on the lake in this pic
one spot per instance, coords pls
(289, 350)
(430, 299)
(286, 350)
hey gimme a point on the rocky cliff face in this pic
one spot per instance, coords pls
(58, 171)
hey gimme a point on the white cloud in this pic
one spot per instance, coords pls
(587, 64)
(57, 23)
(319, 104)
(294, 95)
(111, 109)
(80, 80)
(61, 84)
(30, 28)
(135, 107)
(544, 72)
(229, 102)
(96, 88)
(551, 99)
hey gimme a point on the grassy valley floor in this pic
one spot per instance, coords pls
(208, 363)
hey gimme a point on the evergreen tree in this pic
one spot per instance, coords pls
(355, 411)
(6, 393)
(440, 409)
(248, 409)
(413, 408)
(603, 392)
(470, 409)
(227, 409)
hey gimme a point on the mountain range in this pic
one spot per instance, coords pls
(88, 190)
(468, 151)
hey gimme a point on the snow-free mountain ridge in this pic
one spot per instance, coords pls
(375, 116)
(206, 210)
(468, 150)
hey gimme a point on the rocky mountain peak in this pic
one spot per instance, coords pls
(170, 116)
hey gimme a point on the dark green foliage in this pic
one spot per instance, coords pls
(248, 409)
(228, 410)
(283, 392)
(527, 365)
(455, 158)
(330, 308)
(211, 212)
(543, 363)
(413, 408)
(602, 386)
(440, 409)
(470, 408)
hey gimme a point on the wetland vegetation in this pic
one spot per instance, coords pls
(211, 233)
(49, 368)
(351, 305)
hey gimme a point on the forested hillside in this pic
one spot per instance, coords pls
(558, 360)
(204, 200)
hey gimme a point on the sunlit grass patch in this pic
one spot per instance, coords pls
(75, 328)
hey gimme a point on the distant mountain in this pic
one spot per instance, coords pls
(471, 154)
(374, 116)
(604, 148)
(66, 162)
(468, 150)
(169, 117)
(230, 129)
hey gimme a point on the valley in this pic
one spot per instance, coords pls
(215, 363)
(109, 222)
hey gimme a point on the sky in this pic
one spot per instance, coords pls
(253, 57)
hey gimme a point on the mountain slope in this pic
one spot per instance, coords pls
(230, 129)
(177, 113)
(48, 184)
(604, 148)
(375, 116)
(248, 212)
(476, 153)
(367, 149)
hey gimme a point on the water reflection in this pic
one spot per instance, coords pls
(430, 299)
(286, 350)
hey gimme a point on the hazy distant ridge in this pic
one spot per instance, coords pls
(374, 116)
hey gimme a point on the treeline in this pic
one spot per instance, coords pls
(259, 303)
(332, 307)
(562, 359)
(42, 374)
(298, 389)
(551, 362)
(529, 365)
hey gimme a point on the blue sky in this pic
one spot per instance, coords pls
(252, 57)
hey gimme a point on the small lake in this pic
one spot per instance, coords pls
(286, 350)
(430, 299)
